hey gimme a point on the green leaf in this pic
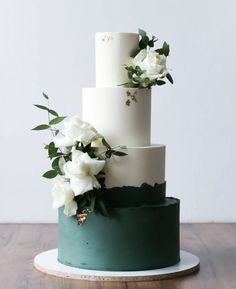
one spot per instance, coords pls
(160, 82)
(130, 74)
(105, 143)
(41, 127)
(152, 41)
(118, 153)
(145, 40)
(160, 51)
(108, 154)
(87, 148)
(169, 77)
(92, 203)
(53, 112)
(54, 155)
(55, 165)
(166, 49)
(141, 32)
(102, 207)
(52, 150)
(56, 120)
(41, 106)
(45, 95)
(50, 174)
(57, 132)
(82, 201)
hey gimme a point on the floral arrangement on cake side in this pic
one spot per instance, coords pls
(78, 154)
(148, 64)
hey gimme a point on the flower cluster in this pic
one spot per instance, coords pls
(148, 66)
(77, 163)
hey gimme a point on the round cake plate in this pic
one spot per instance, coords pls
(47, 262)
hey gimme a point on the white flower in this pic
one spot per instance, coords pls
(152, 62)
(76, 130)
(82, 171)
(64, 196)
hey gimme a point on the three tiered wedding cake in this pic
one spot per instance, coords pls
(141, 230)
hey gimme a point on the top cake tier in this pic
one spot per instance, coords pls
(113, 51)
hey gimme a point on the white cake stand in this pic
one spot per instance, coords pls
(47, 262)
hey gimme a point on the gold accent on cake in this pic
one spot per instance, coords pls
(130, 97)
(82, 217)
(107, 38)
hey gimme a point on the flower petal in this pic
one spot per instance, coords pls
(62, 193)
(140, 57)
(70, 209)
(63, 142)
(94, 165)
(81, 185)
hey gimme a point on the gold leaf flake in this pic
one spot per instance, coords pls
(107, 38)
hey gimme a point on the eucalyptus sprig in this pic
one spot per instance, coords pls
(136, 81)
(139, 73)
(54, 154)
(57, 119)
(90, 196)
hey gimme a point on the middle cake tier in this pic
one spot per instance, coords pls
(141, 165)
(122, 115)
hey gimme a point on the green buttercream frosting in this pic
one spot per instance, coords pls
(136, 236)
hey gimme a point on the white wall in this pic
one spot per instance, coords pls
(48, 45)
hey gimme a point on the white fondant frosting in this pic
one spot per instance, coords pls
(113, 50)
(121, 124)
(141, 165)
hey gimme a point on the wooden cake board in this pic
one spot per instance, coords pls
(47, 262)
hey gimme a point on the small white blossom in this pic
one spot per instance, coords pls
(82, 171)
(64, 196)
(76, 130)
(152, 62)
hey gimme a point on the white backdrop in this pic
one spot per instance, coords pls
(49, 46)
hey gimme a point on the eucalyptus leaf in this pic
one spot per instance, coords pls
(169, 77)
(160, 82)
(108, 154)
(41, 106)
(141, 32)
(87, 148)
(54, 155)
(105, 143)
(166, 49)
(81, 202)
(119, 154)
(92, 203)
(57, 120)
(45, 95)
(52, 150)
(160, 51)
(102, 207)
(53, 112)
(55, 164)
(50, 174)
(41, 127)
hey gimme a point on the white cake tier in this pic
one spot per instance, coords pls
(113, 50)
(121, 124)
(141, 165)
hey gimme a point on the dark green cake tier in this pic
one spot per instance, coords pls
(132, 238)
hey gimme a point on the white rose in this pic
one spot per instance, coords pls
(76, 130)
(64, 196)
(81, 171)
(152, 62)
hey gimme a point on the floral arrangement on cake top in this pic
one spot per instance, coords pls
(148, 64)
(78, 154)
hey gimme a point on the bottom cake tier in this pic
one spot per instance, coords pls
(142, 235)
